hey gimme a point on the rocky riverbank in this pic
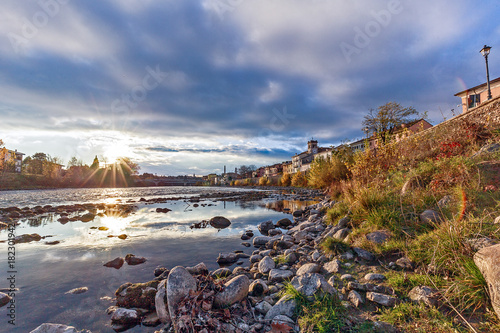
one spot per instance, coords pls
(252, 298)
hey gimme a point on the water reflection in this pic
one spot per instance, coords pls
(288, 206)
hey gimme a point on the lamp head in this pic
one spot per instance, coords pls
(485, 50)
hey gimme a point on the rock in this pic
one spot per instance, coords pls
(378, 237)
(308, 268)
(246, 244)
(424, 294)
(26, 238)
(282, 245)
(161, 303)
(405, 263)
(316, 255)
(221, 272)
(227, 259)
(159, 271)
(279, 275)
(245, 237)
(57, 328)
(179, 284)
(115, 263)
(342, 233)
(235, 290)
(381, 299)
(333, 266)
(133, 260)
(138, 295)
(347, 277)
(258, 288)
(125, 317)
(343, 222)
(374, 277)
(291, 258)
(264, 227)
(274, 232)
(4, 299)
(261, 240)
(480, 242)
(285, 306)
(266, 265)
(430, 216)
(310, 284)
(219, 222)
(122, 236)
(298, 213)
(355, 298)
(87, 217)
(255, 258)
(280, 320)
(263, 307)
(488, 261)
(200, 269)
(151, 319)
(77, 291)
(363, 254)
(284, 223)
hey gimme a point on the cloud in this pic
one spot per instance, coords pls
(228, 73)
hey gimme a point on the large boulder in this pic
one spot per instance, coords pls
(310, 284)
(179, 284)
(285, 306)
(57, 328)
(137, 295)
(219, 222)
(308, 269)
(266, 264)
(488, 261)
(264, 227)
(234, 291)
(284, 223)
(279, 275)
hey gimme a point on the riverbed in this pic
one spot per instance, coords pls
(44, 272)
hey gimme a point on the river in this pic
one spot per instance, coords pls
(44, 273)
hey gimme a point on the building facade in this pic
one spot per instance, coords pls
(475, 96)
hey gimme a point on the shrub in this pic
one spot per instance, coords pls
(299, 180)
(326, 172)
(286, 179)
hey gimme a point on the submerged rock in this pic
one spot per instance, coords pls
(137, 295)
(133, 260)
(26, 238)
(77, 291)
(219, 222)
(115, 263)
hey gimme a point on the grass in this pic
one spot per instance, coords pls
(403, 282)
(334, 246)
(419, 318)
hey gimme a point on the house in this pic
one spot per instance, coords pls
(302, 162)
(287, 167)
(13, 157)
(474, 96)
(358, 145)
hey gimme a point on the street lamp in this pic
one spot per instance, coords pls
(485, 51)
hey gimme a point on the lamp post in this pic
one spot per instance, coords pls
(485, 51)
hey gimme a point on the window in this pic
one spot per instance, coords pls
(474, 100)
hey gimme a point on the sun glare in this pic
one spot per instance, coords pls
(114, 151)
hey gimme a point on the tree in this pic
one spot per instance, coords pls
(95, 163)
(245, 169)
(128, 167)
(36, 163)
(386, 118)
(74, 162)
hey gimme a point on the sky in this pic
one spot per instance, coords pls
(186, 87)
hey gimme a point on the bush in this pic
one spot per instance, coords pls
(326, 172)
(299, 180)
(286, 179)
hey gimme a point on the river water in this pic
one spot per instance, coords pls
(44, 273)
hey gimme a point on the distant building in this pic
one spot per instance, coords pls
(477, 95)
(12, 156)
(302, 162)
(287, 167)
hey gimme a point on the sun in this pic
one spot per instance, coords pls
(115, 150)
